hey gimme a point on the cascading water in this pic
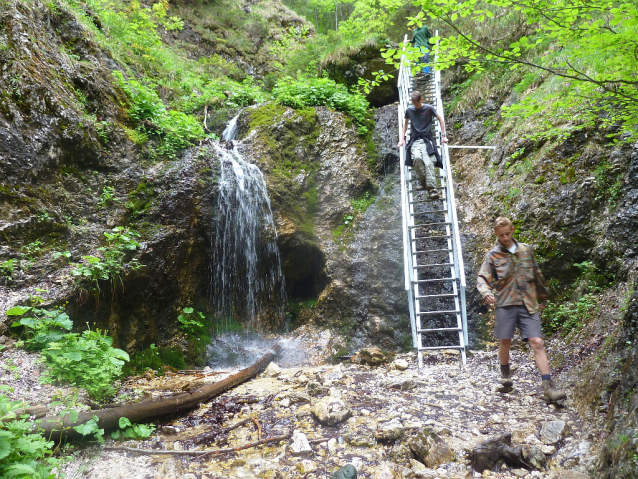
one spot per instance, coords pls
(246, 280)
(247, 285)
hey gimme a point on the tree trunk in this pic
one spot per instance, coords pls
(60, 427)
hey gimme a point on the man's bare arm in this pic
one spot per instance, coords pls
(442, 123)
(402, 139)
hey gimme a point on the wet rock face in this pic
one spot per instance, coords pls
(385, 136)
(53, 106)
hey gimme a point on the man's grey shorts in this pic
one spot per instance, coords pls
(508, 317)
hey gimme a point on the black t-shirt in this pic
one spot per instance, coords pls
(421, 118)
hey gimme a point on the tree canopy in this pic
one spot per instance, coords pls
(591, 47)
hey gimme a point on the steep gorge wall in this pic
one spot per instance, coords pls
(575, 201)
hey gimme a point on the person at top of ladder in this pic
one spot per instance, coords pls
(421, 152)
(421, 40)
(511, 279)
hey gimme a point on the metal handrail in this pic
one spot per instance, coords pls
(404, 87)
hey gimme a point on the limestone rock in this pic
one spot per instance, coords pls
(300, 445)
(385, 471)
(399, 364)
(430, 449)
(390, 430)
(568, 474)
(403, 384)
(372, 356)
(306, 466)
(522, 432)
(553, 431)
(331, 411)
(360, 431)
(534, 456)
(400, 454)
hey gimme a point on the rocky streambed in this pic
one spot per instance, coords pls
(389, 421)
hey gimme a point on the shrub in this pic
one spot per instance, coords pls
(177, 130)
(41, 326)
(120, 240)
(22, 452)
(86, 360)
(157, 358)
(308, 91)
(7, 269)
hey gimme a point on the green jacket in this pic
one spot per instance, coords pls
(514, 278)
(421, 37)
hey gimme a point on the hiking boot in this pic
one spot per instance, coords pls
(434, 195)
(506, 380)
(551, 393)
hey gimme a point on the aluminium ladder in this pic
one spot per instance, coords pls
(433, 260)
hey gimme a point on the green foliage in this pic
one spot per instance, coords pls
(569, 316)
(156, 358)
(192, 322)
(42, 326)
(129, 430)
(86, 360)
(91, 427)
(609, 183)
(107, 197)
(306, 91)
(121, 241)
(586, 51)
(177, 130)
(24, 454)
(360, 205)
(32, 250)
(7, 269)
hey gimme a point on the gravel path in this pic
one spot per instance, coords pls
(459, 404)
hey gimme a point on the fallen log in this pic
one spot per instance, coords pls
(57, 428)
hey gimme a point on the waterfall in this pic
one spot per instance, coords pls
(247, 285)
(230, 132)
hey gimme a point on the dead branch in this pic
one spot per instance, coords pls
(58, 427)
(202, 452)
(258, 426)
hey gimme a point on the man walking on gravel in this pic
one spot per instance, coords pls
(421, 151)
(511, 279)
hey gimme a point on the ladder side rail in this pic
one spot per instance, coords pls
(403, 86)
(448, 175)
(459, 263)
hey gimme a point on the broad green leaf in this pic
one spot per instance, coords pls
(124, 422)
(17, 311)
(5, 443)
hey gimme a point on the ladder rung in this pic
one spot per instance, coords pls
(431, 348)
(435, 280)
(425, 313)
(424, 201)
(445, 295)
(433, 265)
(430, 237)
(432, 251)
(433, 330)
(430, 224)
(428, 212)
